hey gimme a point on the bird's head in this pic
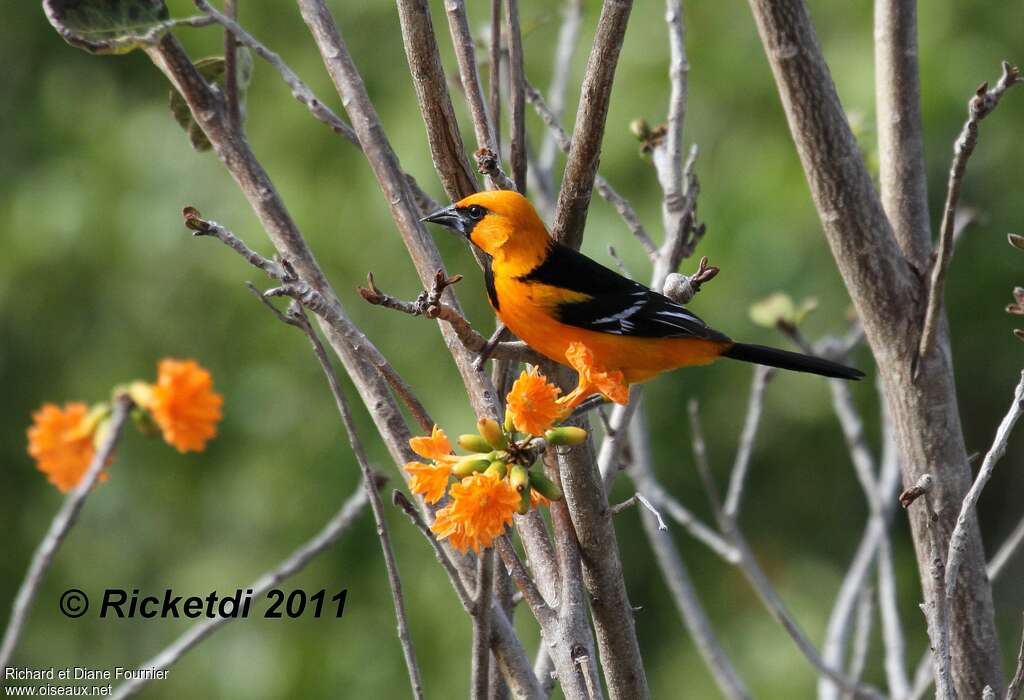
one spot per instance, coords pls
(501, 223)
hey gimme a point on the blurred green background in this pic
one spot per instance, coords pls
(99, 280)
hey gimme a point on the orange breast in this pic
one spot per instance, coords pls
(527, 310)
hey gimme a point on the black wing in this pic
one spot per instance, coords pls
(616, 305)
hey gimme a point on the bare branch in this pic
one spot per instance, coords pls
(581, 166)
(231, 67)
(61, 524)
(639, 498)
(297, 318)
(936, 610)
(400, 500)
(332, 531)
(446, 146)
(480, 682)
(488, 163)
(979, 107)
(465, 54)
(494, 79)
(517, 84)
(755, 406)
(524, 582)
(675, 573)
(607, 192)
(1013, 691)
(958, 540)
(902, 173)
(384, 162)
(300, 91)
(1006, 550)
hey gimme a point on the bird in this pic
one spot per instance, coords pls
(551, 296)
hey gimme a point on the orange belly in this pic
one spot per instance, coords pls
(639, 359)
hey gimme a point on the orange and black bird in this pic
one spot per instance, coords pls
(551, 295)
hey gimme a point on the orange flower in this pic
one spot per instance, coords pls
(538, 499)
(61, 443)
(429, 480)
(594, 379)
(533, 403)
(436, 447)
(184, 404)
(481, 507)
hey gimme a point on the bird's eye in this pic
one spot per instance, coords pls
(476, 212)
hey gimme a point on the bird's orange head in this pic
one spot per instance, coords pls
(502, 223)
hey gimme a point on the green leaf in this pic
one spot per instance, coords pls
(772, 309)
(212, 69)
(108, 26)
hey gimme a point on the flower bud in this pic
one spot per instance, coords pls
(565, 435)
(509, 427)
(474, 443)
(469, 465)
(545, 486)
(491, 432)
(497, 469)
(640, 129)
(519, 478)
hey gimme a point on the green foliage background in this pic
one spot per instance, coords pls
(99, 279)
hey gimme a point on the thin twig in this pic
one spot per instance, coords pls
(300, 91)
(935, 608)
(979, 107)
(400, 500)
(958, 540)
(295, 317)
(639, 498)
(862, 635)
(339, 523)
(741, 466)
(61, 524)
(1017, 682)
(1006, 550)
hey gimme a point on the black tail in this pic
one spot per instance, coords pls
(763, 355)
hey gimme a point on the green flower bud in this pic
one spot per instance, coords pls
(491, 432)
(545, 486)
(519, 478)
(468, 465)
(474, 443)
(566, 435)
(497, 468)
(640, 129)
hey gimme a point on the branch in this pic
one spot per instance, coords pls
(231, 67)
(446, 146)
(1017, 682)
(335, 528)
(936, 610)
(524, 582)
(384, 161)
(480, 683)
(607, 192)
(300, 91)
(979, 107)
(465, 54)
(295, 317)
(676, 575)
(61, 524)
(517, 84)
(634, 500)
(902, 175)
(581, 166)
(400, 500)
(494, 79)
(755, 406)
(429, 304)
(958, 540)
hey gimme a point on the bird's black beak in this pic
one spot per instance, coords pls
(448, 217)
